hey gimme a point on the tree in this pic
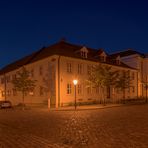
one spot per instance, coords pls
(123, 82)
(146, 88)
(23, 83)
(102, 76)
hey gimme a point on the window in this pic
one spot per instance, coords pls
(88, 69)
(118, 62)
(133, 75)
(84, 54)
(14, 92)
(79, 68)
(69, 67)
(79, 89)
(2, 80)
(41, 70)
(102, 58)
(9, 92)
(133, 89)
(68, 88)
(97, 90)
(129, 90)
(88, 90)
(13, 76)
(32, 73)
(41, 91)
(3, 93)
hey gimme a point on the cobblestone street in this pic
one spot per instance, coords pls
(117, 127)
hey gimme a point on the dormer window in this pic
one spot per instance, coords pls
(102, 58)
(102, 55)
(118, 60)
(83, 52)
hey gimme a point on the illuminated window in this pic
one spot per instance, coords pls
(68, 88)
(69, 67)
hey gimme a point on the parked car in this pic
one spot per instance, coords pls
(5, 104)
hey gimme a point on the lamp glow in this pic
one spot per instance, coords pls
(75, 82)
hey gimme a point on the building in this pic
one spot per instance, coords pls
(55, 67)
(138, 61)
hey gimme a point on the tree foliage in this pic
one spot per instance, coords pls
(102, 76)
(124, 81)
(23, 83)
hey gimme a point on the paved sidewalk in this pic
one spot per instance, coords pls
(86, 107)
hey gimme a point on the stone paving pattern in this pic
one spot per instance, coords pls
(117, 127)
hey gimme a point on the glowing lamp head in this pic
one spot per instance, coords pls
(75, 82)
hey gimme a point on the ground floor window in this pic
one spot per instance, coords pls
(79, 89)
(68, 88)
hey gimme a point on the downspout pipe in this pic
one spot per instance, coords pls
(5, 86)
(59, 80)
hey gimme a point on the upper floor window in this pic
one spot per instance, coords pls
(13, 76)
(133, 75)
(41, 70)
(69, 67)
(79, 68)
(8, 79)
(2, 80)
(32, 73)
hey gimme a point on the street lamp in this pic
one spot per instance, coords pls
(75, 83)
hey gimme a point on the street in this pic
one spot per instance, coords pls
(116, 127)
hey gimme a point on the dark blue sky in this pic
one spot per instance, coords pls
(26, 26)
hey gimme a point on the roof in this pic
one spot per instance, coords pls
(128, 52)
(60, 48)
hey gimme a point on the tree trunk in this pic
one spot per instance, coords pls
(124, 96)
(23, 94)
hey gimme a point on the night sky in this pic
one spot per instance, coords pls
(28, 25)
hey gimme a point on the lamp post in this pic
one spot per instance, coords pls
(75, 83)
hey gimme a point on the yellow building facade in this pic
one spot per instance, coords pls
(55, 67)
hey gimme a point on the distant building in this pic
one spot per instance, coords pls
(55, 67)
(138, 61)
